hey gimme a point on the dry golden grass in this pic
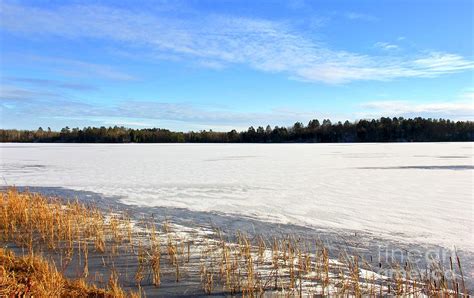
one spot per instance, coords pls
(248, 266)
(32, 276)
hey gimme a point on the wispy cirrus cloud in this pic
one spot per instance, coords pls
(354, 68)
(218, 41)
(456, 110)
(13, 93)
(385, 46)
(360, 16)
(468, 95)
(48, 83)
(17, 101)
(22, 102)
(81, 69)
(74, 69)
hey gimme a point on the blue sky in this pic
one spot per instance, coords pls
(191, 65)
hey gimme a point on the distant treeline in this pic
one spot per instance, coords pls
(380, 130)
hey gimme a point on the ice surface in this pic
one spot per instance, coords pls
(413, 192)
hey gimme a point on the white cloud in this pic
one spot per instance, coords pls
(468, 95)
(22, 102)
(442, 63)
(360, 16)
(457, 110)
(77, 68)
(407, 107)
(48, 83)
(217, 41)
(129, 122)
(385, 46)
(17, 94)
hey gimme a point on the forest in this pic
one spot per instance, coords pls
(376, 130)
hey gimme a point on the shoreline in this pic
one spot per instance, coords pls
(228, 232)
(357, 240)
(411, 192)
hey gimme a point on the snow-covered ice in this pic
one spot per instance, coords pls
(412, 192)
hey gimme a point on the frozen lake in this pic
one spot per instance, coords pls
(410, 192)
